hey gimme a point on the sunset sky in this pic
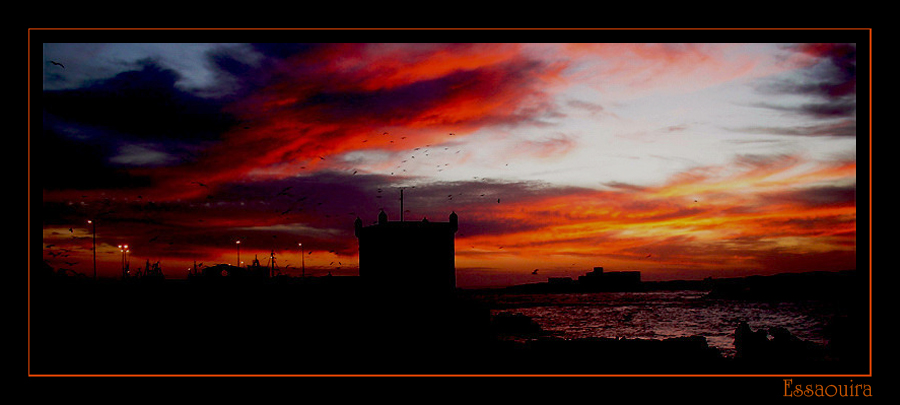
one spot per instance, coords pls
(681, 161)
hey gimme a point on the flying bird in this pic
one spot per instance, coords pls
(57, 64)
(535, 271)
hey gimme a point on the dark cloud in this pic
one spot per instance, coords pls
(829, 82)
(815, 197)
(842, 128)
(832, 108)
(143, 104)
(624, 186)
(588, 106)
(341, 96)
(402, 102)
(62, 159)
(279, 50)
(318, 209)
(835, 75)
(332, 200)
(757, 162)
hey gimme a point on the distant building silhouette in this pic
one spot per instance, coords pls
(594, 281)
(227, 271)
(612, 280)
(418, 255)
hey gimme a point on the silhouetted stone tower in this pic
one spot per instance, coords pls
(415, 255)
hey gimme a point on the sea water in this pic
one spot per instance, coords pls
(664, 314)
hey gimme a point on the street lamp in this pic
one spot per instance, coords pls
(238, 243)
(124, 250)
(302, 260)
(94, 243)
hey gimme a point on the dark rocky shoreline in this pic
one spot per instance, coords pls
(338, 326)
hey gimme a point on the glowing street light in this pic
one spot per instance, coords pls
(94, 243)
(125, 251)
(238, 243)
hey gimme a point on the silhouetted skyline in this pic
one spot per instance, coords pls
(681, 161)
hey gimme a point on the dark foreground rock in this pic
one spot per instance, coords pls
(343, 328)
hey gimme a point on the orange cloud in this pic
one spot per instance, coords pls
(722, 218)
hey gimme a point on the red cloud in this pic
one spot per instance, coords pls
(344, 98)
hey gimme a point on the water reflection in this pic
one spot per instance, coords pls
(664, 314)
